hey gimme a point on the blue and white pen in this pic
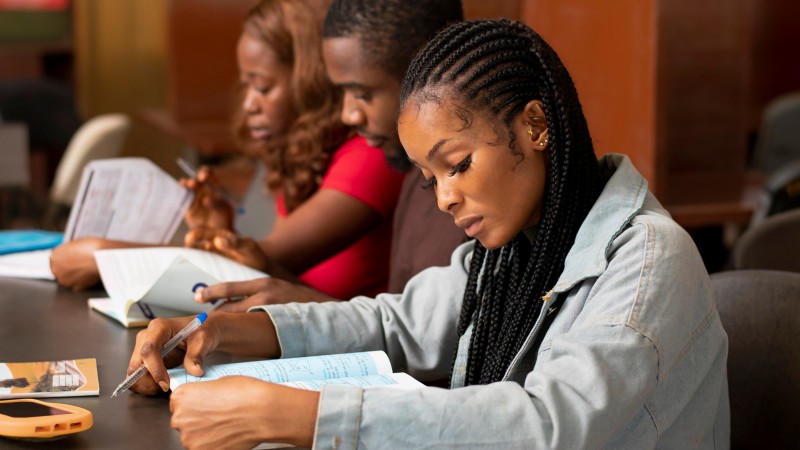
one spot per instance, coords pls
(168, 347)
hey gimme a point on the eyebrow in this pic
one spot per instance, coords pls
(351, 85)
(435, 149)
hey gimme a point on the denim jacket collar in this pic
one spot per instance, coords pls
(617, 205)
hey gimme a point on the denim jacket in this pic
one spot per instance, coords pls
(635, 357)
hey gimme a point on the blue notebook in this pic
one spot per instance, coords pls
(13, 241)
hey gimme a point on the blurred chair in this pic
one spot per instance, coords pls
(781, 192)
(759, 310)
(98, 138)
(779, 137)
(772, 244)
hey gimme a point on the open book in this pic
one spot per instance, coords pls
(144, 283)
(127, 199)
(68, 378)
(367, 369)
(124, 199)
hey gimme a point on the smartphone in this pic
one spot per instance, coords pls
(31, 418)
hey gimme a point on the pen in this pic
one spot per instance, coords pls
(220, 301)
(191, 172)
(168, 347)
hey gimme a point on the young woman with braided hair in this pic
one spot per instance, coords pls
(587, 319)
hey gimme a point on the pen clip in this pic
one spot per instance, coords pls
(214, 304)
(145, 308)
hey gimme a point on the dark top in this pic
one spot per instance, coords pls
(423, 235)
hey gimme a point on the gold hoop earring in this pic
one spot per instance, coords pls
(530, 131)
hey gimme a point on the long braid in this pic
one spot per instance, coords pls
(496, 68)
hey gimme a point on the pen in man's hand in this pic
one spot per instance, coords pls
(168, 347)
(191, 172)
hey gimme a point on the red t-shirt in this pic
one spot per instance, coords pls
(360, 171)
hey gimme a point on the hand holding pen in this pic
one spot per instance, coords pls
(211, 208)
(169, 346)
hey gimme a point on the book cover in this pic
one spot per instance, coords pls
(13, 241)
(66, 378)
(365, 369)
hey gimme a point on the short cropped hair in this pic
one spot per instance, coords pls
(391, 31)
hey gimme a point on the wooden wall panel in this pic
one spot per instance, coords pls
(121, 66)
(775, 60)
(609, 48)
(482, 9)
(703, 58)
(202, 57)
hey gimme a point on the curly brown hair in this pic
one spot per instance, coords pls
(293, 30)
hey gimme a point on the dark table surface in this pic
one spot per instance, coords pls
(41, 322)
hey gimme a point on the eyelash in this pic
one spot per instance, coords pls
(261, 91)
(459, 168)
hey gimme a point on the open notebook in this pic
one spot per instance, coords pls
(365, 369)
(144, 283)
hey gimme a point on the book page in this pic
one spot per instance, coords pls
(127, 199)
(68, 378)
(294, 369)
(128, 274)
(35, 264)
(122, 313)
(398, 380)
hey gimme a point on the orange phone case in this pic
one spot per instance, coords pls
(75, 420)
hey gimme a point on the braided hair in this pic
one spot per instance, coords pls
(393, 30)
(494, 68)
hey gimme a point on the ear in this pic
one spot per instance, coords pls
(534, 123)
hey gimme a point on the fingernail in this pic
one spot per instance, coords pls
(164, 385)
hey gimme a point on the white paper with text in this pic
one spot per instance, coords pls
(312, 369)
(127, 199)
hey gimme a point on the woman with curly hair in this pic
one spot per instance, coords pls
(335, 195)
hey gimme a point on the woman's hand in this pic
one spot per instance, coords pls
(208, 209)
(191, 352)
(251, 334)
(227, 243)
(260, 291)
(241, 412)
(73, 262)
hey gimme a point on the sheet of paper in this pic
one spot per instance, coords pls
(35, 264)
(128, 274)
(294, 369)
(127, 199)
(398, 380)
